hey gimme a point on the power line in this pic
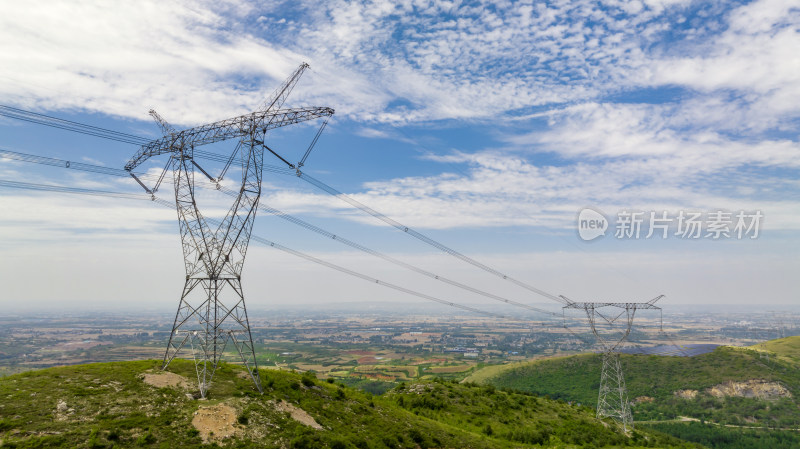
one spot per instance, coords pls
(68, 125)
(139, 196)
(416, 145)
(423, 238)
(63, 163)
(114, 135)
(397, 262)
(73, 190)
(297, 221)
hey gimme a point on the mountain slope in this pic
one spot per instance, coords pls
(729, 387)
(133, 404)
(787, 349)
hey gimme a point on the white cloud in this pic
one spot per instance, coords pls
(501, 190)
(600, 131)
(389, 61)
(756, 55)
(122, 60)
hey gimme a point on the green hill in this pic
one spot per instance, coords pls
(133, 404)
(787, 349)
(729, 387)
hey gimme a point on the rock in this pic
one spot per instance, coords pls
(754, 388)
(686, 394)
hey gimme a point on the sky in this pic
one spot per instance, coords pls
(487, 126)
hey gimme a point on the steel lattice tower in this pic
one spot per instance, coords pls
(612, 399)
(211, 313)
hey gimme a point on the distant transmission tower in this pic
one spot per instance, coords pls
(780, 327)
(612, 400)
(211, 312)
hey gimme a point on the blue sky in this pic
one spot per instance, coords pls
(486, 125)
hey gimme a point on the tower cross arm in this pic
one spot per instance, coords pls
(623, 305)
(261, 121)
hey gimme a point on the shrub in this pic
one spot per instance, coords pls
(145, 439)
(307, 381)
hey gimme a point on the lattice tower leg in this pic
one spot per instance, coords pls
(211, 314)
(612, 400)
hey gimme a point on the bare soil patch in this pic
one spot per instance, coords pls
(162, 379)
(297, 414)
(215, 422)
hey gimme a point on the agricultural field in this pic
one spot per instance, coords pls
(352, 347)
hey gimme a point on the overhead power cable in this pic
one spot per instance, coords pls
(73, 190)
(417, 235)
(139, 196)
(63, 163)
(129, 138)
(297, 221)
(376, 281)
(68, 125)
(390, 259)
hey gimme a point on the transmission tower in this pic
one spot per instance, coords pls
(211, 313)
(778, 324)
(611, 323)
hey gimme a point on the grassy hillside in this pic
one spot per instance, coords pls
(728, 387)
(787, 349)
(117, 405)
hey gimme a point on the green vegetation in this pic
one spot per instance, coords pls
(110, 405)
(513, 416)
(717, 437)
(712, 388)
(487, 372)
(787, 349)
(577, 378)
